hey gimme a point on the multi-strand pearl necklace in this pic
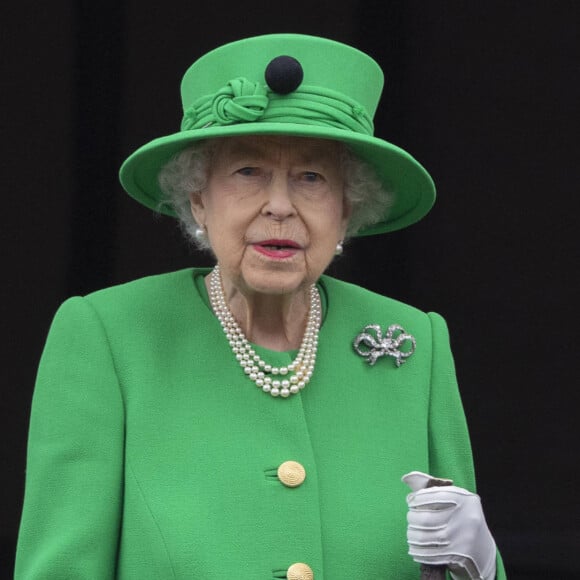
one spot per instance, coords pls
(278, 381)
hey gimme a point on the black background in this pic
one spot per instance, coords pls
(484, 94)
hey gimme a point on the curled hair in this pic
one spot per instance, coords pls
(188, 171)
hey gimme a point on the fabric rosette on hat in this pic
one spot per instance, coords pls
(287, 84)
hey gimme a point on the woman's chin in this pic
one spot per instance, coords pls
(276, 281)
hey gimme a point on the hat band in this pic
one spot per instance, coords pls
(243, 101)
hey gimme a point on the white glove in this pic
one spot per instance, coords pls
(447, 527)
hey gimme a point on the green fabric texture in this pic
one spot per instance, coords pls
(225, 94)
(151, 456)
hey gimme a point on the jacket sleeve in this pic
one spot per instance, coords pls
(449, 446)
(450, 453)
(73, 495)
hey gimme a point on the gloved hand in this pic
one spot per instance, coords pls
(447, 527)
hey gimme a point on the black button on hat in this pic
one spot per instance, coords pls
(284, 74)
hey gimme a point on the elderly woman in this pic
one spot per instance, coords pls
(255, 420)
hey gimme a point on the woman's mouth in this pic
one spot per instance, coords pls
(277, 249)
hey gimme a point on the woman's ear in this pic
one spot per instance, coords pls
(197, 207)
(346, 215)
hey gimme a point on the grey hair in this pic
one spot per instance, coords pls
(187, 172)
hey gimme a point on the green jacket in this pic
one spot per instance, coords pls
(151, 456)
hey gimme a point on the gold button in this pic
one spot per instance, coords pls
(291, 474)
(300, 571)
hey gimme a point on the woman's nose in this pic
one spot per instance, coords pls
(279, 203)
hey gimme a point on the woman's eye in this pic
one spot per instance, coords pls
(311, 176)
(248, 171)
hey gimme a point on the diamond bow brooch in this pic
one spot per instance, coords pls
(371, 344)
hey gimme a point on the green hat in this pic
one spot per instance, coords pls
(287, 84)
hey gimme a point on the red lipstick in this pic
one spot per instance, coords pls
(277, 249)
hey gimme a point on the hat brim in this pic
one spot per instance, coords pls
(399, 172)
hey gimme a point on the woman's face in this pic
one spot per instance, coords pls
(274, 210)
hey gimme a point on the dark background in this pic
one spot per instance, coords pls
(484, 94)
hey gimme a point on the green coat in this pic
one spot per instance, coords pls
(151, 455)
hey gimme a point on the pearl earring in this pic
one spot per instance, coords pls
(339, 248)
(200, 234)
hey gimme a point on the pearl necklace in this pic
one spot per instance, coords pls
(278, 381)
